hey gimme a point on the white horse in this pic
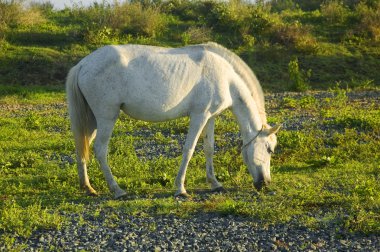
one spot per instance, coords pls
(159, 84)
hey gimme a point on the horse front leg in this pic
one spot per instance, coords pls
(105, 127)
(197, 123)
(208, 146)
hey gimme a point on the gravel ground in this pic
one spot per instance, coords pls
(202, 232)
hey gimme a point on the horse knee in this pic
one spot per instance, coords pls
(208, 149)
(99, 150)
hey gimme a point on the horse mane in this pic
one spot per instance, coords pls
(245, 73)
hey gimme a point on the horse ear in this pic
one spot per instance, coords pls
(273, 130)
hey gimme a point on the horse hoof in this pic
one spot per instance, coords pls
(182, 196)
(120, 194)
(219, 190)
(91, 192)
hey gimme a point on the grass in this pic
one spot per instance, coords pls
(325, 171)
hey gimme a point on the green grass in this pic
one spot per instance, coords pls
(325, 173)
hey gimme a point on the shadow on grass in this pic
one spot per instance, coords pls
(41, 38)
(26, 92)
(310, 166)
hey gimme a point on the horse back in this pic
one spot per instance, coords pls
(152, 83)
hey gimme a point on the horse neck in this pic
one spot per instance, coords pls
(247, 114)
(244, 72)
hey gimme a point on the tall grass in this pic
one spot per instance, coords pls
(104, 21)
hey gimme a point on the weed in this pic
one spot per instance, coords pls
(24, 220)
(340, 97)
(298, 77)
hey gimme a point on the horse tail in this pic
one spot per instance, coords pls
(81, 115)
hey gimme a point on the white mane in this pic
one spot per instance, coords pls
(245, 73)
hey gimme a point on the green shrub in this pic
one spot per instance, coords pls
(99, 35)
(45, 7)
(298, 78)
(280, 5)
(237, 19)
(104, 22)
(334, 11)
(368, 20)
(13, 13)
(138, 20)
(295, 35)
(186, 10)
(308, 5)
(10, 11)
(196, 35)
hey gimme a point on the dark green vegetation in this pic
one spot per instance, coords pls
(325, 172)
(338, 41)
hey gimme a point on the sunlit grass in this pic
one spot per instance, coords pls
(325, 171)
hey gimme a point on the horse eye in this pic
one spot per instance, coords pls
(270, 151)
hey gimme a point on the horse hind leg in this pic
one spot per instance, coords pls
(103, 135)
(208, 146)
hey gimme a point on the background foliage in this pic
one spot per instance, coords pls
(336, 41)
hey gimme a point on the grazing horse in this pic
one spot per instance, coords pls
(159, 84)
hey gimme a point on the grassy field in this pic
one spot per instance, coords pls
(326, 169)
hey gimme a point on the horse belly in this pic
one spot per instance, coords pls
(156, 101)
(160, 88)
(151, 113)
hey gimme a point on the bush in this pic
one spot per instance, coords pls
(184, 9)
(10, 11)
(295, 35)
(238, 19)
(280, 5)
(298, 78)
(334, 11)
(45, 7)
(13, 13)
(196, 35)
(103, 22)
(135, 19)
(368, 20)
(309, 5)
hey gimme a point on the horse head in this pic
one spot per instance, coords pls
(257, 153)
